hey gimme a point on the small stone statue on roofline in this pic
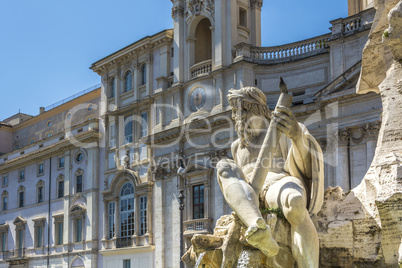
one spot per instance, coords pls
(283, 171)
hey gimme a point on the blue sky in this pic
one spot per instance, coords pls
(47, 46)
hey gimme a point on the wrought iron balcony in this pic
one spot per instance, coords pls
(197, 226)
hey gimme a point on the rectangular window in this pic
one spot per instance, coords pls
(39, 234)
(40, 169)
(21, 199)
(40, 194)
(243, 17)
(5, 203)
(5, 180)
(126, 263)
(20, 241)
(59, 239)
(61, 162)
(143, 215)
(78, 230)
(128, 129)
(198, 202)
(31, 141)
(79, 183)
(112, 135)
(60, 190)
(111, 212)
(3, 241)
(21, 175)
(144, 124)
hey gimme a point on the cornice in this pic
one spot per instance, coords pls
(133, 50)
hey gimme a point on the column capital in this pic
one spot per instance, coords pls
(177, 11)
(256, 4)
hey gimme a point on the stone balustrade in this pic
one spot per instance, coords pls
(359, 22)
(201, 68)
(283, 52)
(352, 25)
(124, 242)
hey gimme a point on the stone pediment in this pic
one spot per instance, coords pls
(19, 220)
(77, 209)
(343, 83)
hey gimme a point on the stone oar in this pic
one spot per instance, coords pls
(270, 143)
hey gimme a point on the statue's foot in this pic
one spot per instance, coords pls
(259, 236)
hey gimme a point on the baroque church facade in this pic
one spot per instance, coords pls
(109, 177)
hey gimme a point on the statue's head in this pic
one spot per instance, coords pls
(250, 112)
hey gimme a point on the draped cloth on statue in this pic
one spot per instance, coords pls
(310, 171)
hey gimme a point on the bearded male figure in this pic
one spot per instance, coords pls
(295, 175)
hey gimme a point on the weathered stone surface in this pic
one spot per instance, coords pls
(381, 189)
(348, 234)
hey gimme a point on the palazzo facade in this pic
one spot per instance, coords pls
(162, 121)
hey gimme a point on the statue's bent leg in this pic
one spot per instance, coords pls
(243, 200)
(290, 196)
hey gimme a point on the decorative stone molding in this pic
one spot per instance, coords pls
(77, 211)
(40, 221)
(372, 129)
(194, 8)
(4, 228)
(177, 11)
(126, 160)
(19, 223)
(165, 170)
(106, 184)
(323, 144)
(256, 4)
(58, 217)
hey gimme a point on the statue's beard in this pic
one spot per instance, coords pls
(245, 133)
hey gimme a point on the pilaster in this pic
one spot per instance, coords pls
(178, 44)
(342, 168)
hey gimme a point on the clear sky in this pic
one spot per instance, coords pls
(47, 46)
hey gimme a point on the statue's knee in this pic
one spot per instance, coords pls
(296, 209)
(227, 168)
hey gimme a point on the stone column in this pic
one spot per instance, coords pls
(149, 215)
(117, 89)
(255, 26)
(190, 56)
(178, 35)
(116, 219)
(66, 220)
(149, 68)
(159, 222)
(134, 237)
(342, 153)
(136, 78)
(106, 221)
(207, 201)
(189, 203)
(371, 140)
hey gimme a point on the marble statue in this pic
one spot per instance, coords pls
(285, 171)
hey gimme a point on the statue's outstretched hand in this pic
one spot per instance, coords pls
(286, 122)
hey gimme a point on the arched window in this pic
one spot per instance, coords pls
(203, 43)
(127, 210)
(112, 87)
(127, 81)
(143, 74)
